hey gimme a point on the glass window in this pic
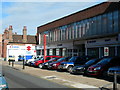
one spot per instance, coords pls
(67, 33)
(71, 31)
(80, 30)
(90, 29)
(77, 30)
(115, 21)
(104, 23)
(99, 25)
(110, 24)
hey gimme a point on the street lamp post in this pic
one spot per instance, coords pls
(44, 47)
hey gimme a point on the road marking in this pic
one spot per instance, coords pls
(71, 83)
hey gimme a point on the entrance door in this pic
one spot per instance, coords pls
(93, 52)
(111, 51)
(54, 51)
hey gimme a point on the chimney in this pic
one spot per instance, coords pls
(10, 33)
(6, 34)
(24, 34)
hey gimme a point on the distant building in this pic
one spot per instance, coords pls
(0, 45)
(93, 31)
(13, 44)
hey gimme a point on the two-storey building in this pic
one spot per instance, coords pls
(93, 31)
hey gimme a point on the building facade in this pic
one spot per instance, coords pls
(0, 45)
(94, 31)
(18, 45)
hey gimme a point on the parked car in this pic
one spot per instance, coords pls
(55, 65)
(116, 69)
(11, 58)
(20, 58)
(45, 65)
(75, 60)
(81, 69)
(101, 67)
(39, 62)
(3, 82)
(28, 62)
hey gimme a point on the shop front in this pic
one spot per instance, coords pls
(103, 47)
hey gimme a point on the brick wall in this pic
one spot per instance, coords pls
(0, 45)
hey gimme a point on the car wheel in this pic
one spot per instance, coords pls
(69, 69)
(40, 65)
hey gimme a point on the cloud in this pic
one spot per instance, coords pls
(34, 14)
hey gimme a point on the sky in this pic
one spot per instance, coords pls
(34, 13)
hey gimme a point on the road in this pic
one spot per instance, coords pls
(17, 79)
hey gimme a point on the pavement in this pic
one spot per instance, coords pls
(64, 78)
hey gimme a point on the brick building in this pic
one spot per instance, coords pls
(14, 44)
(87, 32)
(0, 45)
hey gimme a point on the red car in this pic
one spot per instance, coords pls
(55, 65)
(102, 66)
(37, 63)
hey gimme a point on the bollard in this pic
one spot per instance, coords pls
(115, 82)
(12, 63)
(23, 63)
(9, 62)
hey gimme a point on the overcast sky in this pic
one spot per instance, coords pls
(34, 13)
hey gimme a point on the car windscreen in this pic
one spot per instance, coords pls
(41, 58)
(52, 59)
(104, 61)
(59, 60)
(90, 62)
(72, 59)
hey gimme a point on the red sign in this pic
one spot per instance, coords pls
(28, 48)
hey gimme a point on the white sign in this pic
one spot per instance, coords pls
(50, 51)
(106, 51)
(57, 51)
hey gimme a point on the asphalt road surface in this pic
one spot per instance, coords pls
(17, 79)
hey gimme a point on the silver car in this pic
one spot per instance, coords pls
(116, 69)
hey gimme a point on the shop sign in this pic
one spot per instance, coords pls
(106, 51)
(28, 48)
(14, 46)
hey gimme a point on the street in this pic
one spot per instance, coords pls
(17, 79)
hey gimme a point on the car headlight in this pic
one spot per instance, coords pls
(65, 64)
(46, 63)
(54, 64)
(79, 68)
(97, 68)
(3, 86)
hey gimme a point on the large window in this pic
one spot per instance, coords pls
(110, 22)
(98, 25)
(104, 23)
(115, 21)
